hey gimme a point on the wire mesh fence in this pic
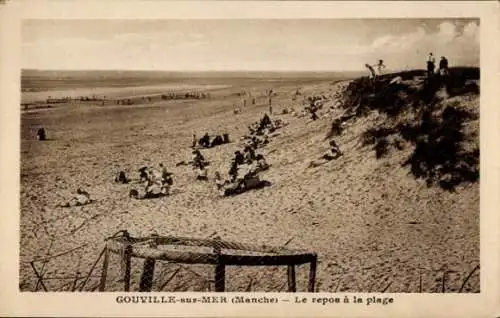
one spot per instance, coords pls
(212, 252)
(175, 264)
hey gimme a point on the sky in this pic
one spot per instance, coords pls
(250, 45)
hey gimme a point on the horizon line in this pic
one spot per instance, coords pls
(184, 71)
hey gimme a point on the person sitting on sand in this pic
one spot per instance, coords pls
(143, 174)
(249, 154)
(166, 175)
(233, 171)
(335, 150)
(40, 134)
(239, 158)
(217, 141)
(143, 194)
(122, 178)
(197, 159)
(219, 183)
(205, 141)
(264, 122)
(81, 198)
(153, 187)
(202, 173)
(155, 176)
(261, 163)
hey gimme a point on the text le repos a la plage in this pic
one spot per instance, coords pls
(244, 299)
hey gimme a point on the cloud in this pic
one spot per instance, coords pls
(459, 44)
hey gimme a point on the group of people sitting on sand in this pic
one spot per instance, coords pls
(207, 142)
(315, 103)
(243, 172)
(244, 166)
(261, 131)
(153, 183)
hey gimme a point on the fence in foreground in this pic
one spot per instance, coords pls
(199, 251)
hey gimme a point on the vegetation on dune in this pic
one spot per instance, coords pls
(416, 110)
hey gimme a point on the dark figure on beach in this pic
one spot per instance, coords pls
(334, 148)
(194, 142)
(219, 182)
(218, 140)
(431, 64)
(143, 174)
(249, 154)
(312, 110)
(122, 178)
(264, 122)
(82, 197)
(41, 134)
(233, 171)
(140, 195)
(205, 141)
(239, 158)
(312, 107)
(166, 175)
(198, 159)
(443, 66)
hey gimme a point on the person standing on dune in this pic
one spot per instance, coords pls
(431, 64)
(379, 66)
(443, 66)
(371, 70)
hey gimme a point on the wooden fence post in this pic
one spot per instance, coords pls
(147, 275)
(148, 269)
(127, 255)
(291, 279)
(104, 271)
(312, 274)
(220, 269)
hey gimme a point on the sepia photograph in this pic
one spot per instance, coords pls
(250, 155)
